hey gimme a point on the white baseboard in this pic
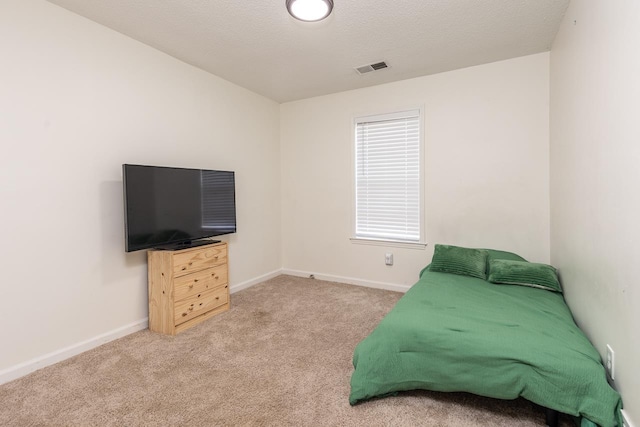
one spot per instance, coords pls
(626, 420)
(32, 365)
(249, 283)
(348, 280)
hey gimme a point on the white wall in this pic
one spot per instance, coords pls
(76, 101)
(595, 175)
(487, 170)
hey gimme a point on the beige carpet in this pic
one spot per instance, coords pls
(280, 356)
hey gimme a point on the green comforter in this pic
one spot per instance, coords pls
(458, 333)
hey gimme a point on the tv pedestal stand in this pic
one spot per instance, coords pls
(187, 286)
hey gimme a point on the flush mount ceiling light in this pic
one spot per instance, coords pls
(310, 10)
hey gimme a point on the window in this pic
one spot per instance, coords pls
(388, 177)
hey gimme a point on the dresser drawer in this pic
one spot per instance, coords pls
(198, 282)
(190, 260)
(200, 303)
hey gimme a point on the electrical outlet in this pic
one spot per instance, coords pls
(626, 421)
(609, 365)
(388, 259)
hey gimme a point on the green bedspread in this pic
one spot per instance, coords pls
(458, 333)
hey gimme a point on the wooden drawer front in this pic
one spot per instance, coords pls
(197, 259)
(200, 304)
(201, 281)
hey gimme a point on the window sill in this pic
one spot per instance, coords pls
(390, 243)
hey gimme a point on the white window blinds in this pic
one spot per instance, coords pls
(387, 177)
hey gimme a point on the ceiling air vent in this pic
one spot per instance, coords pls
(372, 67)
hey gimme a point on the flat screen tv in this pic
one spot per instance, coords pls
(174, 207)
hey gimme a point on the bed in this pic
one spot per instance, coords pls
(455, 332)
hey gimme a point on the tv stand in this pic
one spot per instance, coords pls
(187, 286)
(186, 245)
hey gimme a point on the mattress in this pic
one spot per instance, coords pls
(456, 333)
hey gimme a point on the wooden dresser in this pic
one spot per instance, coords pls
(187, 286)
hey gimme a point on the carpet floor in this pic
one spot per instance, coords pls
(281, 356)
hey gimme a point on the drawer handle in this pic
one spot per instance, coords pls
(217, 297)
(195, 280)
(184, 268)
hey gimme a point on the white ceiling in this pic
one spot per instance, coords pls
(257, 45)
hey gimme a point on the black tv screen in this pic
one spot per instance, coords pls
(173, 207)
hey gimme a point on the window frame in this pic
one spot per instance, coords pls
(393, 114)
